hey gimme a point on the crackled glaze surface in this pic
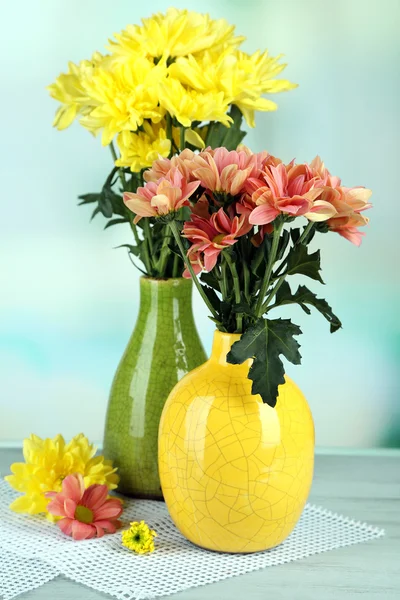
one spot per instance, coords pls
(164, 346)
(235, 472)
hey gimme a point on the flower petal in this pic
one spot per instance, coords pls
(65, 525)
(263, 214)
(111, 509)
(73, 487)
(69, 508)
(108, 526)
(82, 531)
(94, 496)
(56, 508)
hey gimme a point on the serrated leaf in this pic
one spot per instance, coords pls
(303, 296)
(265, 342)
(302, 263)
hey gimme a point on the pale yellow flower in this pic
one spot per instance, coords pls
(139, 538)
(178, 32)
(69, 91)
(139, 150)
(242, 78)
(47, 462)
(125, 94)
(188, 105)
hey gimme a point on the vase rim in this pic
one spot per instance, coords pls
(166, 280)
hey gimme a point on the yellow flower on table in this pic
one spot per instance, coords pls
(47, 463)
(178, 32)
(139, 150)
(139, 538)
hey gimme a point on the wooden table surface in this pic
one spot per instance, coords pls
(365, 488)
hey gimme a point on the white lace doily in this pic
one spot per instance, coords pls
(33, 551)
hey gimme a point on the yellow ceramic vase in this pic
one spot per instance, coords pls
(235, 472)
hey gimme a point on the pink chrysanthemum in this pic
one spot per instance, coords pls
(86, 513)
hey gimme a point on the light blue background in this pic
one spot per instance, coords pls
(69, 301)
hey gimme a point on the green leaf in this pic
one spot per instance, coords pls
(135, 250)
(228, 137)
(210, 279)
(112, 222)
(265, 342)
(303, 296)
(95, 212)
(212, 296)
(88, 198)
(302, 263)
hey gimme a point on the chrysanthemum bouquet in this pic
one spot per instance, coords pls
(244, 222)
(177, 81)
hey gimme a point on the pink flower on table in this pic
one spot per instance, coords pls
(226, 171)
(86, 513)
(161, 197)
(210, 236)
(290, 189)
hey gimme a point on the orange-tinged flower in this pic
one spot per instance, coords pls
(167, 195)
(223, 171)
(348, 203)
(290, 189)
(86, 513)
(163, 166)
(210, 236)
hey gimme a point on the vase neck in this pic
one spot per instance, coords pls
(222, 344)
(174, 293)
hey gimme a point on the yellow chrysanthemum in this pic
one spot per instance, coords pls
(139, 150)
(177, 33)
(69, 91)
(188, 105)
(242, 78)
(47, 462)
(124, 96)
(139, 538)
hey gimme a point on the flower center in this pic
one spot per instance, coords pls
(83, 514)
(137, 537)
(218, 238)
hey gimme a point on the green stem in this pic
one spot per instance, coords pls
(282, 278)
(301, 239)
(177, 236)
(148, 245)
(182, 138)
(123, 182)
(236, 287)
(175, 266)
(164, 254)
(270, 265)
(223, 280)
(120, 171)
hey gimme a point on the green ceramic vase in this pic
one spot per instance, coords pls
(164, 346)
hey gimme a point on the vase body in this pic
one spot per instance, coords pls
(164, 346)
(235, 472)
